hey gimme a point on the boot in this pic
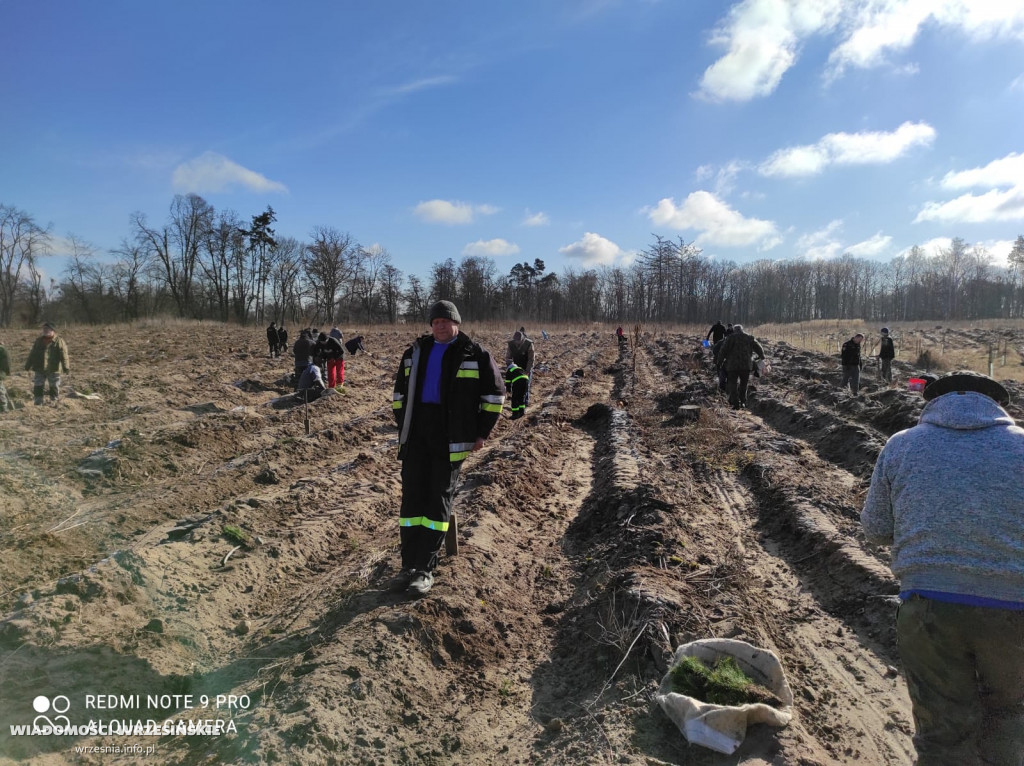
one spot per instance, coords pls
(37, 393)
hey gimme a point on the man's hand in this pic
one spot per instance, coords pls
(479, 444)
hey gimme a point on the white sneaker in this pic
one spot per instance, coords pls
(421, 582)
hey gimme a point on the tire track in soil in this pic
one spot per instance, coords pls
(813, 579)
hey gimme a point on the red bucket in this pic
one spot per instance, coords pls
(916, 384)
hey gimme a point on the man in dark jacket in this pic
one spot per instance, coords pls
(516, 382)
(448, 396)
(850, 358)
(947, 496)
(520, 352)
(47, 359)
(886, 353)
(717, 332)
(304, 351)
(282, 340)
(735, 357)
(273, 340)
(329, 349)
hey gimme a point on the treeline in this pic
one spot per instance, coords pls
(204, 263)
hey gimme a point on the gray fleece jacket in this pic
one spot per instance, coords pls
(949, 495)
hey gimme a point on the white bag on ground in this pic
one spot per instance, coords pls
(720, 727)
(764, 367)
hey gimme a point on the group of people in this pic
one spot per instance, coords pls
(946, 496)
(319, 356)
(852, 363)
(47, 361)
(735, 354)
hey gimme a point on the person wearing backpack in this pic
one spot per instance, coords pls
(734, 357)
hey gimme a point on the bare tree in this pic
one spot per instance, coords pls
(283, 279)
(328, 266)
(22, 242)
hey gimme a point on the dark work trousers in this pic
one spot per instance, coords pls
(737, 386)
(428, 487)
(723, 379)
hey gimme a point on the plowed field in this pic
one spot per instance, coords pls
(172, 529)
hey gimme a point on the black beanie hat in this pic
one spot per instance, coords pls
(966, 380)
(444, 310)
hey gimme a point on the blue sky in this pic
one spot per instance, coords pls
(567, 130)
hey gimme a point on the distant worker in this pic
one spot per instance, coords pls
(516, 382)
(303, 350)
(619, 333)
(886, 353)
(352, 345)
(329, 349)
(947, 496)
(729, 329)
(5, 369)
(851, 362)
(337, 333)
(47, 359)
(273, 339)
(448, 397)
(735, 356)
(717, 332)
(282, 340)
(716, 359)
(520, 351)
(311, 382)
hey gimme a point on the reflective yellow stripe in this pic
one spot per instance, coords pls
(455, 457)
(423, 521)
(491, 407)
(521, 377)
(468, 374)
(407, 371)
(520, 407)
(397, 405)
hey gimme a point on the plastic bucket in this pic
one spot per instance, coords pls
(706, 343)
(916, 384)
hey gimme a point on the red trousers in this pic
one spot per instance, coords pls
(335, 372)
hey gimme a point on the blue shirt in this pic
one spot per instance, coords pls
(431, 392)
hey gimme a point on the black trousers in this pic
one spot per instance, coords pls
(429, 480)
(737, 386)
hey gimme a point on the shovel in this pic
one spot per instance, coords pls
(451, 537)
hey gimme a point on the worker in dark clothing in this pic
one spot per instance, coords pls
(886, 353)
(272, 339)
(516, 382)
(735, 356)
(304, 351)
(717, 332)
(716, 357)
(282, 340)
(448, 396)
(851, 361)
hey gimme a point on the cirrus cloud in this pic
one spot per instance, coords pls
(212, 172)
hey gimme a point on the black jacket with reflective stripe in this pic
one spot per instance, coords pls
(472, 391)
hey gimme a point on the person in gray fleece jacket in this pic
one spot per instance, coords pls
(948, 494)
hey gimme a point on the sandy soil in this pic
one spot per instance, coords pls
(172, 529)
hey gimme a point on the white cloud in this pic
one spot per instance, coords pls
(868, 147)
(491, 247)
(762, 38)
(872, 246)
(1006, 171)
(876, 28)
(417, 85)
(536, 219)
(821, 244)
(595, 250)
(718, 223)
(443, 211)
(212, 172)
(970, 208)
(724, 177)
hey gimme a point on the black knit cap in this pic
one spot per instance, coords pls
(966, 380)
(444, 310)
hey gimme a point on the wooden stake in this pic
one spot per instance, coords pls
(451, 537)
